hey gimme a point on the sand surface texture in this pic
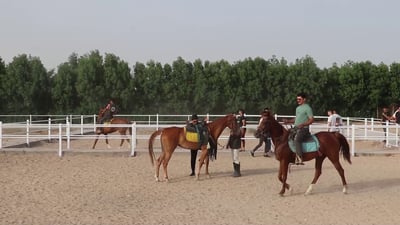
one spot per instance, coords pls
(112, 188)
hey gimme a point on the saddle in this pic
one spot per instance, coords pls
(311, 144)
(193, 136)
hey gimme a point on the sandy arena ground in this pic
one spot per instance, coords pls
(40, 188)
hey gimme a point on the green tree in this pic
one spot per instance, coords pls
(2, 80)
(378, 77)
(90, 85)
(26, 86)
(64, 92)
(180, 88)
(117, 80)
(353, 89)
(394, 85)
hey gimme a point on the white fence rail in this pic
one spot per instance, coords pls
(30, 131)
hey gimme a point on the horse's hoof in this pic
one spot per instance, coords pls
(345, 190)
(208, 176)
(309, 190)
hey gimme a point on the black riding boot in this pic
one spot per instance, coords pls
(236, 170)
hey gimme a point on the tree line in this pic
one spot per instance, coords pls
(83, 84)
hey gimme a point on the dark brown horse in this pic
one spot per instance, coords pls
(172, 137)
(107, 129)
(331, 144)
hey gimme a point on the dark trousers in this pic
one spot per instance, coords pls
(301, 135)
(193, 158)
(267, 146)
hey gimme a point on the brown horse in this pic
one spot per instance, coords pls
(172, 137)
(110, 129)
(331, 144)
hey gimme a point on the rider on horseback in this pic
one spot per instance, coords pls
(304, 118)
(108, 112)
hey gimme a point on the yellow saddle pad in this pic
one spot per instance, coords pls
(192, 136)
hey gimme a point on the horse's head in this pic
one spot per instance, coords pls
(266, 121)
(270, 125)
(231, 121)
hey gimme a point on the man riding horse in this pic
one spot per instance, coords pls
(108, 112)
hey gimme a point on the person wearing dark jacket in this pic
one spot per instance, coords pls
(234, 144)
(199, 127)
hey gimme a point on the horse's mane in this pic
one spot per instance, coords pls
(224, 119)
(221, 123)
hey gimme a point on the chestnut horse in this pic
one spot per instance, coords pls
(331, 144)
(107, 129)
(172, 137)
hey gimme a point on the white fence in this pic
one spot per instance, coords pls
(30, 131)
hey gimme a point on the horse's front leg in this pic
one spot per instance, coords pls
(95, 141)
(108, 145)
(203, 156)
(122, 141)
(127, 140)
(283, 170)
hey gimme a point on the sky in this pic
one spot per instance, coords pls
(330, 31)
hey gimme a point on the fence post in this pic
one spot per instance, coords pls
(94, 123)
(60, 153)
(353, 141)
(49, 131)
(27, 133)
(133, 140)
(372, 124)
(68, 133)
(348, 126)
(81, 124)
(365, 128)
(157, 121)
(397, 135)
(387, 133)
(1, 135)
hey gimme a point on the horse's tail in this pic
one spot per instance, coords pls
(344, 146)
(151, 140)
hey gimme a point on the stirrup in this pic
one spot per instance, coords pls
(299, 160)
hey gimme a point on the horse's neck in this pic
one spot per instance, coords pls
(216, 128)
(279, 134)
